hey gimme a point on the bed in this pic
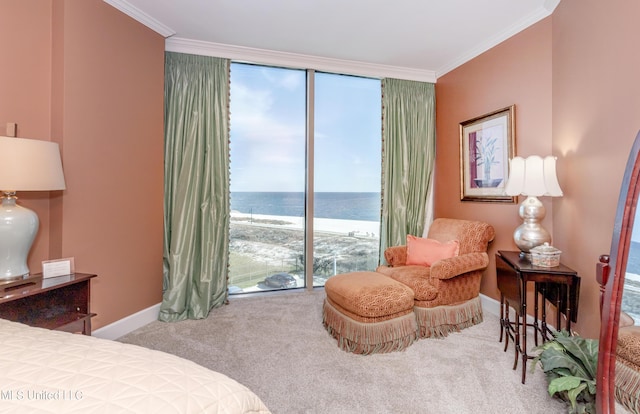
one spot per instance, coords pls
(43, 371)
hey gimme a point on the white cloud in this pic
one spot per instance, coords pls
(286, 79)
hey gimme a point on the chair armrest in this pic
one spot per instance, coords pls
(396, 255)
(458, 265)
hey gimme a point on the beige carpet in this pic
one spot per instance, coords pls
(276, 345)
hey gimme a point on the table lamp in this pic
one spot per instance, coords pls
(27, 165)
(532, 177)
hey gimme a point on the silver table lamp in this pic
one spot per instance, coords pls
(532, 177)
(26, 165)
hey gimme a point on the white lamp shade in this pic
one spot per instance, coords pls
(533, 176)
(30, 165)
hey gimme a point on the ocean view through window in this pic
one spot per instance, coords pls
(273, 162)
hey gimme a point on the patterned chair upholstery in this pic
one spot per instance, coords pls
(627, 383)
(446, 293)
(369, 313)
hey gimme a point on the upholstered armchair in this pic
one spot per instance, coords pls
(446, 289)
(627, 382)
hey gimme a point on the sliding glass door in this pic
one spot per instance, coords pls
(278, 158)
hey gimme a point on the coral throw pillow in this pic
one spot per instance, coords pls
(425, 252)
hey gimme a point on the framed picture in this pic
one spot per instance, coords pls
(487, 143)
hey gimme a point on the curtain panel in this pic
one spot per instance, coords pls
(196, 186)
(408, 156)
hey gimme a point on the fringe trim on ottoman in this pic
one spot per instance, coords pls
(438, 322)
(627, 387)
(369, 338)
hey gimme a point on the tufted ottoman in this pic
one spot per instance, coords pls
(368, 312)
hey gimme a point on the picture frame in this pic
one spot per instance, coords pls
(487, 143)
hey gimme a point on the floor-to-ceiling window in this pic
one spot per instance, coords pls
(305, 154)
(347, 160)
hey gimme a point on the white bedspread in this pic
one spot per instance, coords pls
(56, 372)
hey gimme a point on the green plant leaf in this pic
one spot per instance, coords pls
(565, 384)
(574, 393)
(583, 350)
(570, 363)
(553, 359)
(549, 344)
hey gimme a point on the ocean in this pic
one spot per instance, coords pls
(340, 206)
(631, 297)
(633, 259)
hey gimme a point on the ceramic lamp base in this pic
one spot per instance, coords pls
(18, 228)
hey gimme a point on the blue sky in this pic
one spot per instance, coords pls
(268, 131)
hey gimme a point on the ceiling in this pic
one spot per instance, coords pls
(423, 38)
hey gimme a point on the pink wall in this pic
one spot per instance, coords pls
(516, 72)
(96, 87)
(27, 103)
(596, 116)
(574, 80)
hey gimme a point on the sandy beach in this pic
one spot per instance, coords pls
(324, 225)
(262, 245)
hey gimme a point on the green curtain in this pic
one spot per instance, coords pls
(196, 186)
(408, 155)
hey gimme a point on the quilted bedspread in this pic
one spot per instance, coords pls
(44, 371)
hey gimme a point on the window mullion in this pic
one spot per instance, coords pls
(308, 228)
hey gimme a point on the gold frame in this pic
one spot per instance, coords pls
(487, 143)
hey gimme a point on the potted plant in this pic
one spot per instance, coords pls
(570, 363)
(485, 156)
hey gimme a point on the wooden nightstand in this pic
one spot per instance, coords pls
(60, 303)
(558, 285)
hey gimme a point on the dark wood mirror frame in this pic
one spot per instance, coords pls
(610, 273)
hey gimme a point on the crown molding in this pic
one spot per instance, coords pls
(263, 56)
(544, 11)
(141, 17)
(294, 60)
(550, 5)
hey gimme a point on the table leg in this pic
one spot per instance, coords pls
(507, 325)
(569, 310)
(523, 349)
(558, 310)
(516, 340)
(502, 326)
(535, 313)
(86, 327)
(545, 328)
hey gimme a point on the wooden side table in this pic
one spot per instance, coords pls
(60, 303)
(559, 285)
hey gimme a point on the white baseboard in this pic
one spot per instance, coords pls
(128, 324)
(490, 305)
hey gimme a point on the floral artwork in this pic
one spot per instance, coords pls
(487, 144)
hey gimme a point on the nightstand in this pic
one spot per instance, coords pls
(558, 285)
(60, 303)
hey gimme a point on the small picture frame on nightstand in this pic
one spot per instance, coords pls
(58, 267)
